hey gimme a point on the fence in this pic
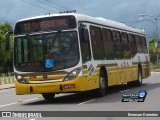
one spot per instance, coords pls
(6, 80)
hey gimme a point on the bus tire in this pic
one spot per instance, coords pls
(102, 85)
(138, 82)
(48, 96)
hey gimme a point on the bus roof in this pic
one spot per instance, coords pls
(96, 20)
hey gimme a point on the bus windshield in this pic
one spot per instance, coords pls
(46, 52)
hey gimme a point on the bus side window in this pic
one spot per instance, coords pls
(85, 46)
(97, 46)
(138, 43)
(144, 45)
(133, 46)
(117, 44)
(125, 45)
(108, 44)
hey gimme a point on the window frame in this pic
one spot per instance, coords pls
(118, 48)
(98, 53)
(125, 45)
(107, 41)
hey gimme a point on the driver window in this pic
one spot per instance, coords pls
(85, 46)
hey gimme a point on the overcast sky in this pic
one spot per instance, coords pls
(118, 10)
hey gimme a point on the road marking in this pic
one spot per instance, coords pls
(124, 90)
(32, 119)
(8, 104)
(86, 101)
(19, 101)
(39, 97)
(31, 99)
(151, 83)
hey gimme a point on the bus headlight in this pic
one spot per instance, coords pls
(21, 79)
(73, 74)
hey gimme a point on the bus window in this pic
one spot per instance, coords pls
(85, 47)
(97, 46)
(138, 43)
(144, 45)
(117, 44)
(125, 44)
(133, 46)
(108, 44)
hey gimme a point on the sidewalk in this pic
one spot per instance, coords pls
(152, 73)
(6, 83)
(7, 86)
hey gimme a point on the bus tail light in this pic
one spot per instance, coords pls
(73, 74)
(21, 79)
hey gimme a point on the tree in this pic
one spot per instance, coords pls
(6, 57)
(152, 54)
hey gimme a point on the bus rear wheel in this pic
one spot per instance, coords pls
(138, 82)
(48, 96)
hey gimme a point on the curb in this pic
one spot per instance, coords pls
(2, 87)
(152, 73)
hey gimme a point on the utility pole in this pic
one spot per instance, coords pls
(155, 19)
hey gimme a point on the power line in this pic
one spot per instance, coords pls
(36, 5)
(59, 5)
(49, 5)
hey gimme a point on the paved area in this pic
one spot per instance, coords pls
(7, 86)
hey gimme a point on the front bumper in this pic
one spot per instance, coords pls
(76, 85)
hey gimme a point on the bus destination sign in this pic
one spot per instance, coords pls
(29, 26)
(45, 24)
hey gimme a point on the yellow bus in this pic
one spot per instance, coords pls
(70, 52)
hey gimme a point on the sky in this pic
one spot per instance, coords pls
(126, 11)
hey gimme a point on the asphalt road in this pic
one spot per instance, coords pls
(86, 101)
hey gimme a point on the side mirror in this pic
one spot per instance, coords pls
(7, 40)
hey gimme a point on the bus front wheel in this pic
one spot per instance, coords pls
(102, 85)
(48, 96)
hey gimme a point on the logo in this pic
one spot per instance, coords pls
(21, 114)
(6, 114)
(91, 69)
(140, 97)
(142, 93)
(49, 63)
